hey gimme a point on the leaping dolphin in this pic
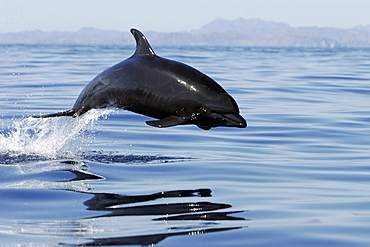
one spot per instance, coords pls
(172, 92)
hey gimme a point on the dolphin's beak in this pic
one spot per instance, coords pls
(234, 120)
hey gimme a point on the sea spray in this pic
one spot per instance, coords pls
(50, 138)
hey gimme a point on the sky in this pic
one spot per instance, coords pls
(175, 15)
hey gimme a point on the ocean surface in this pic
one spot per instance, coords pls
(298, 175)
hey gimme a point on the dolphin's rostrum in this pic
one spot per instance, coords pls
(164, 89)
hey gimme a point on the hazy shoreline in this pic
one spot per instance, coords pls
(219, 32)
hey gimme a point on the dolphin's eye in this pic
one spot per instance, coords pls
(203, 109)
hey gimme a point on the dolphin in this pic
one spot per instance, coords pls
(170, 91)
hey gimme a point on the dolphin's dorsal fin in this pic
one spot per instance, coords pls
(143, 47)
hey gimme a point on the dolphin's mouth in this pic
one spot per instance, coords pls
(234, 120)
(228, 119)
(220, 119)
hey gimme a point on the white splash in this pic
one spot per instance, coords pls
(50, 137)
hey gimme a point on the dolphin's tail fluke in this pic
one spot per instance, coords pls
(58, 114)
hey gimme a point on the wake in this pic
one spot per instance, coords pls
(49, 138)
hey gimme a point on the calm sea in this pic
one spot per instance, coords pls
(299, 175)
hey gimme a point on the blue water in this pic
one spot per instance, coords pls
(299, 175)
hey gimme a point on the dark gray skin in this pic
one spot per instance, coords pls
(167, 90)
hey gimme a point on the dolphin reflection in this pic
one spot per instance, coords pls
(184, 211)
(149, 240)
(117, 219)
(110, 202)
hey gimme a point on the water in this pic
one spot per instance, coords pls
(297, 176)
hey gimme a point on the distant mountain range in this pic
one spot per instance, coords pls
(219, 32)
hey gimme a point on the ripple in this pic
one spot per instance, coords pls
(13, 158)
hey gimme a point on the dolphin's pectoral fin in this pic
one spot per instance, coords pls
(168, 121)
(204, 127)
